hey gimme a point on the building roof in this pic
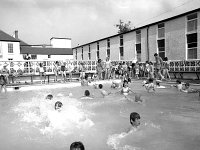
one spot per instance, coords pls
(6, 37)
(184, 9)
(60, 38)
(45, 51)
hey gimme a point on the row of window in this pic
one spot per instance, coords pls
(191, 36)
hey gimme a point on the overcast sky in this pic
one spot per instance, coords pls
(82, 20)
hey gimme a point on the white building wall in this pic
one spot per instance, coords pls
(54, 57)
(4, 55)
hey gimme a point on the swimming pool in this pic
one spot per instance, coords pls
(169, 119)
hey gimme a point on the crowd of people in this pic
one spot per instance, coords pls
(110, 70)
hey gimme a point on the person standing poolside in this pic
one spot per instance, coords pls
(82, 71)
(56, 70)
(77, 146)
(166, 68)
(158, 66)
(70, 69)
(151, 70)
(4, 71)
(108, 68)
(42, 72)
(63, 71)
(99, 68)
(3, 83)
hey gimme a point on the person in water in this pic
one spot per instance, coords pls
(115, 85)
(77, 146)
(103, 92)
(3, 83)
(87, 95)
(49, 97)
(149, 84)
(58, 106)
(134, 119)
(125, 89)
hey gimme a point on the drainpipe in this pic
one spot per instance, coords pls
(148, 44)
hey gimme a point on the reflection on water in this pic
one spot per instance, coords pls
(169, 120)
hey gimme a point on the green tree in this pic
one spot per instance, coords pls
(123, 27)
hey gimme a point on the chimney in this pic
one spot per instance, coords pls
(16, 34)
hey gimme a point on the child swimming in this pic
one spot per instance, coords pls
(188, 89)
(49, 97)
(84, 81)
(149, 84)
(86, 95)
(77, 146)
(115, 85)
(103, 92)
(58, 106)
(125, 89)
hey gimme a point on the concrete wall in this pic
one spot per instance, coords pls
(175, 39)
(114, 48)
(129, 46)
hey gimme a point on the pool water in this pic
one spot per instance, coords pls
(169, 119)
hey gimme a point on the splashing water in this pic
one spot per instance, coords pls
(41, 114)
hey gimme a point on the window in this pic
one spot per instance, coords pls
(192, 46)
(82, 54)
(97, 50)
(192, 20)
(76, 55)
(138, 45)
(121, 49)
(121, 40)
(161, 30)
(161, 48)
(108, 47)
(33, 56)
(138, 36)
(89, 53)
(161, 40)
(10, 48)
(192, 23)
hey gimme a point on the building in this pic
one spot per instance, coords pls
(9, 47)
(13, 48)
(175, 34)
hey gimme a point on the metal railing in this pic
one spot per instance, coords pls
(32, 67)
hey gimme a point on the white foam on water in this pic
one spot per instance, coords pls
(41, 114)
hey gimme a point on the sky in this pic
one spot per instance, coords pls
(81, 20)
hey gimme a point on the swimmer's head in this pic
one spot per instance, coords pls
(77, 146)
(135, 119)
(178, 81)
(100, 86)
(187, 85)
(125, 83)
(150, 80)
(87, 93)
(49, 97)
(157, 83)
(58, 105)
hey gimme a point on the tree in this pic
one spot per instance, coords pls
(123, 27)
